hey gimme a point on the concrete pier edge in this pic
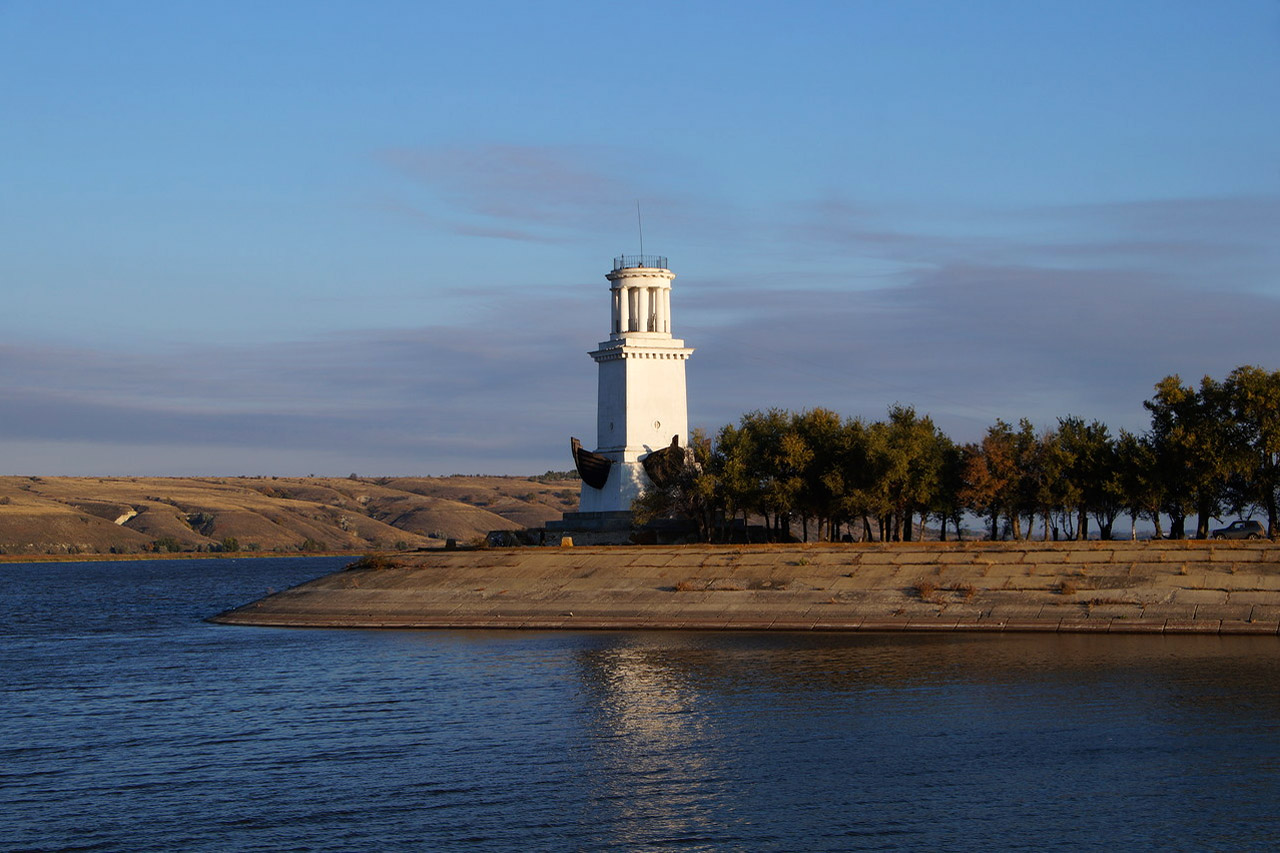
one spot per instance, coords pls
(1163, 587)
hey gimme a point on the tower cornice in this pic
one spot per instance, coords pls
(640, 272)
(658, 346)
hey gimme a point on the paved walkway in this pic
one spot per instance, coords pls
(1143, 587)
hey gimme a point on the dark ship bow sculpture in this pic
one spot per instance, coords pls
(592, 467)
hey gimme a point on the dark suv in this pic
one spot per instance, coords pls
(1241, 530)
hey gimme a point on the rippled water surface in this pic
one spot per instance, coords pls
(128, 723)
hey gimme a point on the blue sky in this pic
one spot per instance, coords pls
(294, 238)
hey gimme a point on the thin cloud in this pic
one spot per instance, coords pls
(552, 193)
(514, 192)
(1233, 235)
(970, 344)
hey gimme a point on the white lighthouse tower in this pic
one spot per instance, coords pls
(642, 405)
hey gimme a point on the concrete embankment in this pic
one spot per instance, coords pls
(1130, 587)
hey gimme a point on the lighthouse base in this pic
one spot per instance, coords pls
(593, 528)
(616, 528)
(626, 482)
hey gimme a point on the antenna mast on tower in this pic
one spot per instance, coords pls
(640, 226)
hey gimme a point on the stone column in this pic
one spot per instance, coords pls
(622, 309)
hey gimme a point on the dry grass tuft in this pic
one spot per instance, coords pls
(1066, 587)
(967, 590)
(925, 589)
(374, 561)
(1100, 600)
(688, 586)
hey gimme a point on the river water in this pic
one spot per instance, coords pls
(128, 723)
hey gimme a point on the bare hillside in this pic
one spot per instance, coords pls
(70, 515)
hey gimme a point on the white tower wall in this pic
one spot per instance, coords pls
(642, 400)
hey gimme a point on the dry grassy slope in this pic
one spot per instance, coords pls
(80, 514)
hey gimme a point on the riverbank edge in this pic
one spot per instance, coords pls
(1164, 587)
(174, 555)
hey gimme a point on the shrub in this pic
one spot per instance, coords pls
(166, 543)
(200, 521)
(925, 589)
(1066, 587)
(374, 561)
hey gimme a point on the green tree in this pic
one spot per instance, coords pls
(1192, 433)
(946, 505)
(821, 476)
(911, 468)
(1140, 492)
(1253, 397)
(731, 462)
(1091, 469)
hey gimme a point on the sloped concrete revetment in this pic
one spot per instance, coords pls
(1143, 587)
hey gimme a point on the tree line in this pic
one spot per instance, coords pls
(1209, 450)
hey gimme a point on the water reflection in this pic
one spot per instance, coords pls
(654, 762)
(911, 737)
(729, 663)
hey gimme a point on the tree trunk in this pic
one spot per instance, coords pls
(1202, 522)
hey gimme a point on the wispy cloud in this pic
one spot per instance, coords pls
(974, 343)
(432, 400)
(517, 192)
(1186, 238)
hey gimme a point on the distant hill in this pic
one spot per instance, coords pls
(126, 515)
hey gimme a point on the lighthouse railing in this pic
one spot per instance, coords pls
(626, 262)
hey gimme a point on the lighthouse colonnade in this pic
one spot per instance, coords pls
(641, 308)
